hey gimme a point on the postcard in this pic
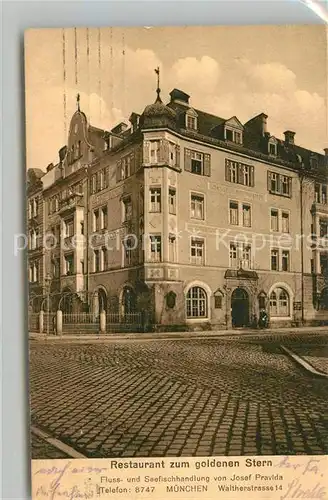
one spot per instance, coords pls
(176, 234)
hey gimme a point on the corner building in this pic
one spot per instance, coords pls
(193, 218)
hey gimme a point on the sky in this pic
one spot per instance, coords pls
(228, 71)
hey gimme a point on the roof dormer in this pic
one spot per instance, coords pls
(272, 146)
(233, 130)
(191, 119)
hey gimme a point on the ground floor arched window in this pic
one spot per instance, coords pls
(196, 303)
(324, 299)
(128, 300)
(279, 303)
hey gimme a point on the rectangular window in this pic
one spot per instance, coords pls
(274, 260)
(155, 248)
(127, 208)
(191, 122)
(324, 264)
(246, 256)
(239, 173)
(126, 167)
(197, 163)
(247, 218)
(155, 199)
(104, 258)
(279, 184)
(69, 228)
(233, 136)
(233, 256)
(172, 201)
(272, 149)
(96, 220)
(104, 218)
(323, 223)
(129, 245)
(154, 151)
(233, 213)
(172, 248)
(324, 194)
(285, 260)
(229, 135)
(274, 224)
(285, 222)
(34, 272)
(69, 264)
(197, 254)
(317, 191)
(82, 227)
(197, 206)
(96, 261)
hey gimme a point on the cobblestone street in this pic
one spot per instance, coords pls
(175, 397)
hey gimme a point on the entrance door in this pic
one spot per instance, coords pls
(240, 308)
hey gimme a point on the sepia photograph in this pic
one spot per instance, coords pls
(177, 245)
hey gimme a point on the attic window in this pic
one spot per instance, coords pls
(191, 120)
(233, 135)
(272, 146)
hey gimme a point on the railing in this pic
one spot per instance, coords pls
(80, 318)
(33, 322)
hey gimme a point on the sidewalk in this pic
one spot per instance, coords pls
(319, 330)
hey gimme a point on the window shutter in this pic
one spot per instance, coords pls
(146, 152)
(207, 165)
(132, 163)
(187, 160)
(227, 170)
(177, 156)
(290, 182)
(240, 174)
(269, 181)
(118, 170)
(252, 180)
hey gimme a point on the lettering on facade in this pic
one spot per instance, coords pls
(245, 194)
(102, 198)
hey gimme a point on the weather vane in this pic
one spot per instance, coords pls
(158, 90)
(78, 102)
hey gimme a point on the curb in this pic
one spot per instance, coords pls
(56, 443)
(304, 364)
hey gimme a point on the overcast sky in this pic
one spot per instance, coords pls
(228, 71)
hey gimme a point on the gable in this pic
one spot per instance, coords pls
(191, 112)
(234, 123)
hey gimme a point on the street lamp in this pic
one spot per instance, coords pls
(47, 282)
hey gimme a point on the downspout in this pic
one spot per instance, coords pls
(302, 244)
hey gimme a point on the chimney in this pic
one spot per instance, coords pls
(134, 120)
(50, 167)
(258, 124)
(326, 151)
(179, 96)
(289, 137)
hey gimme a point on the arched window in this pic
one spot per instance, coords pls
(324, 299)
(279, 303)
(128, 300)
(196, 303)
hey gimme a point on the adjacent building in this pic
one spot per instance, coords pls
(198, 220)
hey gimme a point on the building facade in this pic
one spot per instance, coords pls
(199, 221)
